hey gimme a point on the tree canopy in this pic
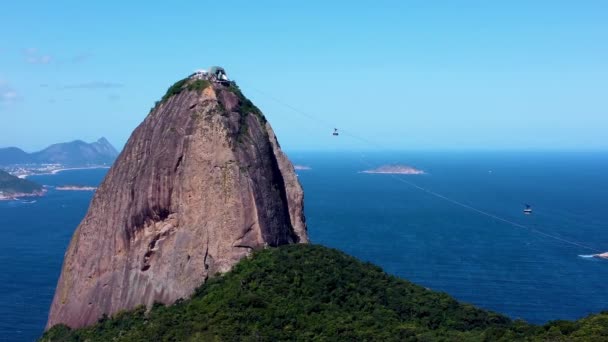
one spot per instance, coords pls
(310, 292)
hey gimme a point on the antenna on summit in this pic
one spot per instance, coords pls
(214, 74)
(218, 74)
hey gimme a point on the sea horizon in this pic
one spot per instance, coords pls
(376, 218)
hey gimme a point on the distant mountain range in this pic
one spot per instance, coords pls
(76, 152)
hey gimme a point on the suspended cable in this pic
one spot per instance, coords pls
(328, 125)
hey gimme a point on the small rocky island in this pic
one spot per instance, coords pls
(396, 170)
(206, 240)
(12, 187)
(75, 188)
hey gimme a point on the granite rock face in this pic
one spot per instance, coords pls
(200, 184)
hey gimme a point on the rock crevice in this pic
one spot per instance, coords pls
(201, 182)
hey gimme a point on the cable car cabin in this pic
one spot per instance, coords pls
(528, 210)
(218, 74)
(335, 133)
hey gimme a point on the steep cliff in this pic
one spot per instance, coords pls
(200, 184)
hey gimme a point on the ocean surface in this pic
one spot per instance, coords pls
(532, 270)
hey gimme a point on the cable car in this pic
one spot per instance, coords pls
(528, 210)
(335, 132)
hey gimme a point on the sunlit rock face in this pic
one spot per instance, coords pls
(200, 184)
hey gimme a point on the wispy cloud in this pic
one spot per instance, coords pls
(33, 56)
(81, 58)
(8, 95)
(45, 59)
(94, 85)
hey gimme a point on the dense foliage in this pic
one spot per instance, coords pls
(307, 292)
(10, 184)
(181, 85)
(198, 85)
(175, 89)
(246, 106)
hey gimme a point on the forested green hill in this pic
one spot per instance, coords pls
(308, 292)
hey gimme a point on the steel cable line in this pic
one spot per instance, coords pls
(326, 125)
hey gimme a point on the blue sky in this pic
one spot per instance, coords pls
(415, 75)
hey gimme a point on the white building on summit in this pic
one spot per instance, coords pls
(215, 74)
(200, 74)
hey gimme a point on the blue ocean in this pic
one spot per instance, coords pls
(410, 225)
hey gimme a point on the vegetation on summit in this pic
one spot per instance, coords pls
(246, 105)
(175, 89)
(190, 84)
(308, 292)
(180, 86)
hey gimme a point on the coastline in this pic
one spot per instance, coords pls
(20, 195)
(5, 197)
(56, 171)
(75, 188)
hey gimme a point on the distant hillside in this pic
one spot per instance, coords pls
(71, 153)
(14, 155)
(312, 293)
(10, 184)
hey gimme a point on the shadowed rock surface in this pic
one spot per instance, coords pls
(200, 184)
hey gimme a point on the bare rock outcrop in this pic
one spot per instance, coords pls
(200, 184)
